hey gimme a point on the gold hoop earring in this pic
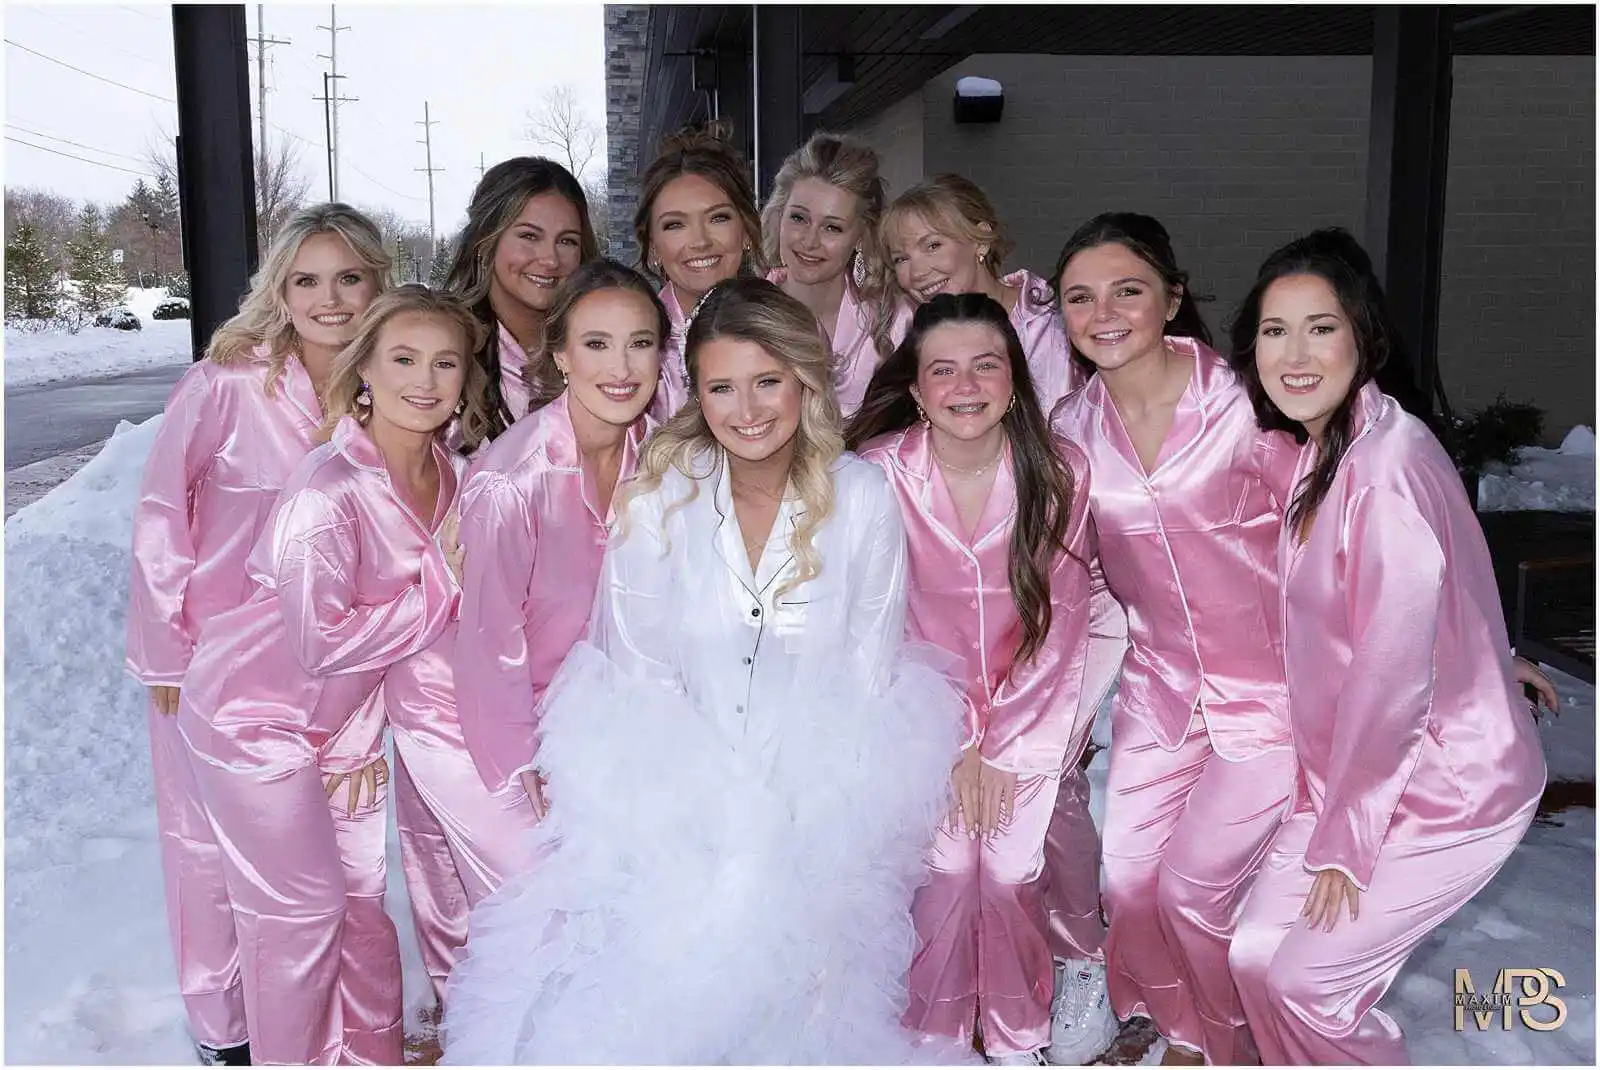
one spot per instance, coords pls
(922, 415)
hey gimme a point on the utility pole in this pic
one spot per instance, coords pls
(426, 141)
(327, 126)
(262, 43)
(331, 90)
(480, 167)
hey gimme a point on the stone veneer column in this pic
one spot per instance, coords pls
(627, 28)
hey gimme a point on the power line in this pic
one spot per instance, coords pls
(68, 141)
(91, 74)
(84, 159)
(386, 189)
(97, 40)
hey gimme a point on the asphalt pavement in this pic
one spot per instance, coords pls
(53, 418)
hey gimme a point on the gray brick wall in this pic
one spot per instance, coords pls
(626, 30)
(896, 133)
(1516, 312)
(1235, 154)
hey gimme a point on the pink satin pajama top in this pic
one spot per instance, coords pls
(513, 360)
(1407, 718)
(1189, 549)
(223, 452)
(671, 390)
(1022, 717)
(347, 582)
(535, 533)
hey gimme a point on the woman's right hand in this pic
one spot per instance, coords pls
(455, 555)
(966, 784)
(165, 699)
(533, 784)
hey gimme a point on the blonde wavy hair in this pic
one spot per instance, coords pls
(344, 384)
(850, 164)
(263, 316)
(954, 205)
(755, 310)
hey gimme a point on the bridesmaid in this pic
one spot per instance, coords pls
(236, 425)
(527, 229)
(1419, 769)
(355, 571)
(1186, 499)
(997, 523)
(697, 226)
(944, 236)
(535, 509)
(826, 202)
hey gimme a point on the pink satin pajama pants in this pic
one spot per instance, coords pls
(1311, 996)
(319, 958)
(982, 957)
(458, 843)
(1185, 832)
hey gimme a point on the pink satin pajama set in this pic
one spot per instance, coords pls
(982, 957)
(223, 452)
(1201, 765)
(465, 711)
(347, 582)
(1418, 767)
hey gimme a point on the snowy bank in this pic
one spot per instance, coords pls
(86, 943)
(48, 356)
(1561, 479)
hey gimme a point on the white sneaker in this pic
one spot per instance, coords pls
(1021, 1058)
(1082, 1026)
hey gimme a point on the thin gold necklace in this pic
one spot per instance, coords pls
(974, 472)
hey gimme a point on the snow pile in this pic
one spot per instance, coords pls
(1561, 480)
(47, 356)
(85, 921)
(86, 939)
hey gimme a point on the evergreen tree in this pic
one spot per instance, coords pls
(99, 282)
(439, 270)
(165, 197)
(178, 285)
(32, 289)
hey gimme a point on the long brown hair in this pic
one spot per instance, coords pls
(344, 382)
(755, 310)
(709, 153)
(1044, 482)
(496, 203)
(543, 377)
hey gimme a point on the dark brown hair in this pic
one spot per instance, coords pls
(709, 153)
(541, 373)
(1044, 482)
(496, 203)
(1339, 260)
(1146, 238)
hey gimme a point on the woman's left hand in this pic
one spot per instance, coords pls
(1528, 674)
(1328, 891)
(373, 776)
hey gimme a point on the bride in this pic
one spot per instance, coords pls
(745, 765)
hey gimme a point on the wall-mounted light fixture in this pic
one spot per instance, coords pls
(979, 100)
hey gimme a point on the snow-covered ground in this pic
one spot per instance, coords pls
(1561, 479)
(86, 946)
(47, 356)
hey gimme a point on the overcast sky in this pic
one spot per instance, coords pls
(480, 67)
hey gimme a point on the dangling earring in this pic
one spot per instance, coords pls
(364, 395)
(461, 406)
(858, 268)
(563, 378)
(922, 415)
(1010, 405)
(983, 254)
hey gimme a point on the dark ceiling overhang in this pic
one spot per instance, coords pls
(893, 49)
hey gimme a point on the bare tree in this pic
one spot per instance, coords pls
(561, 125)
(281, 185)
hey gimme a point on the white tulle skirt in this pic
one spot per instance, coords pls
(704, 904)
